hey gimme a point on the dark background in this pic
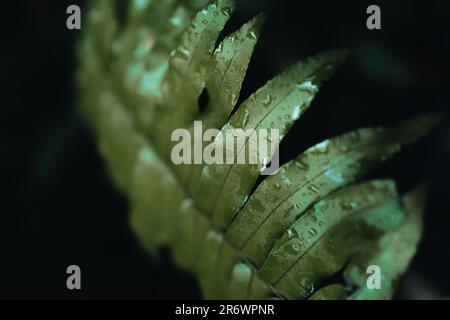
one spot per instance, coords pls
(58, 207)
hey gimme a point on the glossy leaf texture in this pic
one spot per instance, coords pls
(141, 77)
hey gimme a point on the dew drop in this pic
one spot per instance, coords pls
(313, 188)
(241, 272)
(296, 113)
(267, 100)
(252, 35)
(306, 287)
(176, 21)
(290, 234)
(301, 164)
(287, 181)
(233, 99)
(322, 147)
(219, 48)
(226, 11)
(140, 4)
(184, 52)
(246, 119)
(307, 86)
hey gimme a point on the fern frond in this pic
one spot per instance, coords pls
(142, 78)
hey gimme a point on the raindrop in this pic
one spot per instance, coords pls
(290, 234)
(301, 164)
(246, 119)
(348, 205)
(313, 188)
(252, 35)
(241, 272)
(296, 113)
(306, 287)
(233, 99)
(322, 147)
(267, 100)
(219, 48)
(286, 181)
(184, 52)
(176, 21)
(307, 86)
(226, 11)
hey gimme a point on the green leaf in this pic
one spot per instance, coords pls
(225, 188)
(142, 78)
(320, 242)
(331, 164)
(392, 254)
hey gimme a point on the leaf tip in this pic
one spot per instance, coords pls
(258, 21)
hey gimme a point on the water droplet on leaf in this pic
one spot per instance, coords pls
(267, 100)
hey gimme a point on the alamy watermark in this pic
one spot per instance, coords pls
(74, 279)
(73, 21)
(373, 22)
(227, 146)
(374, 280)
